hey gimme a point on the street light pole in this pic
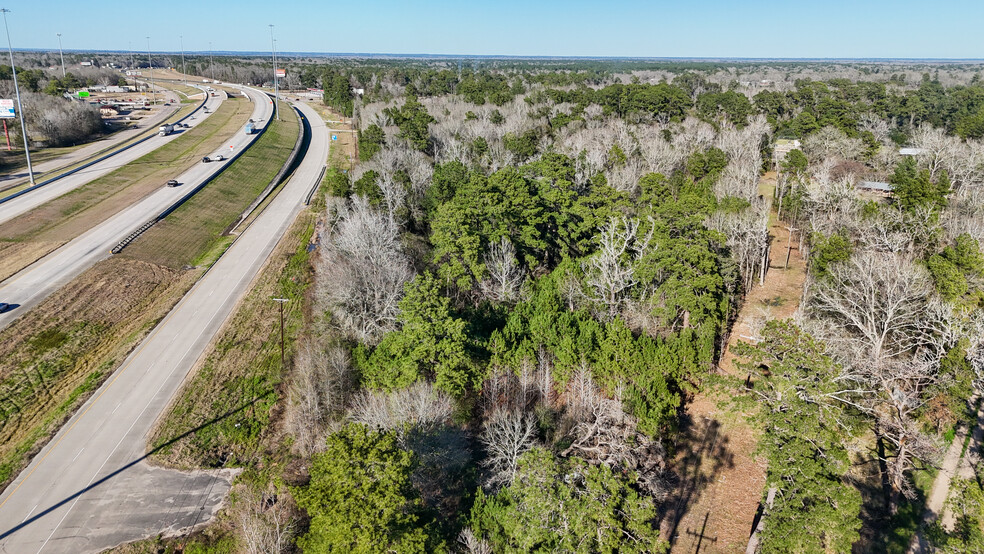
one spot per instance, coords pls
(62, 54)
(183, 70)
(150, 61)
(20, 108)
(283, 356)
(210, 64)
(276, 88)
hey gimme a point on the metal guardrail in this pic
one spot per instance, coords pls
(317, 183)
(93, 162)
(143, 228)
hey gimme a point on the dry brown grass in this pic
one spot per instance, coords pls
(15, 256)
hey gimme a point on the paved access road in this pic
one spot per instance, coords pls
(90, 488)
(30, 286)
(90, 150)
(22, 204)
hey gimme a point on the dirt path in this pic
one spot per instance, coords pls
(721, 481)
(959, 463)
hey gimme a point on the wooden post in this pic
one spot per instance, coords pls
(789, 244)
(753, 541)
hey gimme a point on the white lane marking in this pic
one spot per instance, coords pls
(117, 407)
(29, 513)
(77, 455)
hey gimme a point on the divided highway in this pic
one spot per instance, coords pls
(34, 283)
(26, 202)
(90, 488)
(102, 145)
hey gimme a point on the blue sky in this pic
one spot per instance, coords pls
(703, 28)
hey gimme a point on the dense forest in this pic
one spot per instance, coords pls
(536, 267)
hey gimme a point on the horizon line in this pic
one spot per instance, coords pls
(510, 56)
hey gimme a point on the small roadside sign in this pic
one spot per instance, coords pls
(6, 108)
(334, 137)
(281, 73)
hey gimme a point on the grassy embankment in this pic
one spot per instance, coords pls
(40, 231)
(54, 356)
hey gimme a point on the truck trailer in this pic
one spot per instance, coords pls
(165, 130)
(250, 128)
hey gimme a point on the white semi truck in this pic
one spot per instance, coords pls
(165, 130)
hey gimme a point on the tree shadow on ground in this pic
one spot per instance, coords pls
(705, 455)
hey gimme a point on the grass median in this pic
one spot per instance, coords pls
(55, 355)
(195, 233)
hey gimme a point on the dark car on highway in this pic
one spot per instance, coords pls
(173, 183)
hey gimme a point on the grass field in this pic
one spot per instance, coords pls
(195, 231)
(62, 350)
(24, 239)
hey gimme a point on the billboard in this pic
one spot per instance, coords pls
(83, 94)
(281, 73)
(6, 108)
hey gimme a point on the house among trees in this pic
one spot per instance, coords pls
(910, 151)
(783, 147)
(876, 188)
(109, 110)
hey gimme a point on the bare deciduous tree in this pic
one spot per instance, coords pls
(419, 405)
(472, 544)
(604, 434)
(265, 521)
(362, 271)
(319, 385)
(505, 275)
(610, 271)
(507, 435)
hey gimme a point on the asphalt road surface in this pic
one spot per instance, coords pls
(90, 150)
(21, 204)
(90, 488)
(30, 286)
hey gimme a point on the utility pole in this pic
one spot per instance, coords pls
(276, 89)
(283, 356)
(62, 54)
(20, 108)
(183, 71)
(133, 70)
(151, 62)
